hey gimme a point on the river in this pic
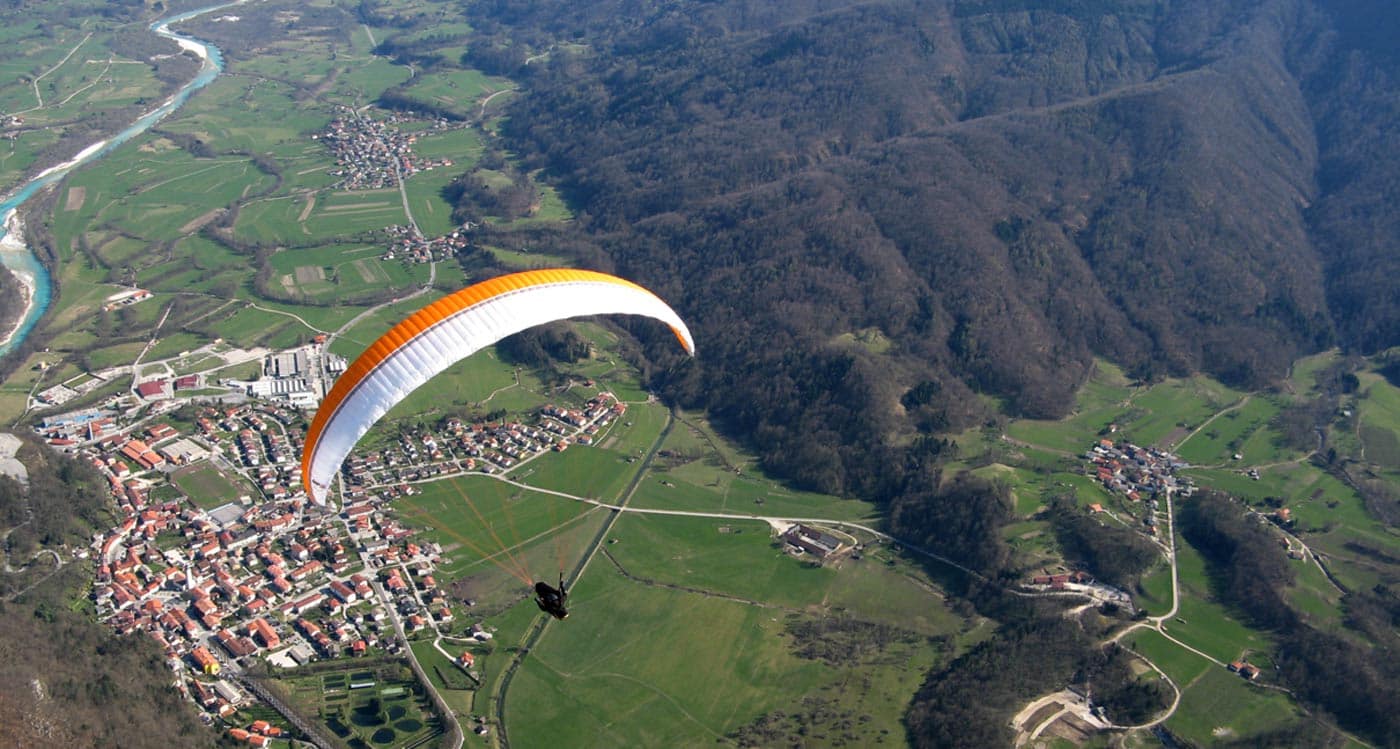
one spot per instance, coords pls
(18, 257)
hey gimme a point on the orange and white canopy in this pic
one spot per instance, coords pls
(449, 330)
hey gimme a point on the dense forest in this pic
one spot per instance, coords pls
(994, 192)
(1113, 553)
(67, 680)
(65, 502)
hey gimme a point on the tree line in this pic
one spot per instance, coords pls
(1345, 676)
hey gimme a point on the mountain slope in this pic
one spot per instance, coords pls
(997, 191)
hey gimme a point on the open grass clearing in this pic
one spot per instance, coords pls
(249, 327)
(462, 145)
(705, 472)
(1303, 375)
(1220, 704)
(339, 273)
(552, 208)
(459, 90)
(154, 198)
(521, 260)
(1182, 665)
(678, 669)
(174, 344)
(1231, 433)
(1175, 404)
(366, 80)
(483, 517)
(430, 210)
(745, 560)
(1319, 603)
(240, 113)
(1379, 405)
(1204, 624)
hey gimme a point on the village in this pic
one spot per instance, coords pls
(1142, 477)
(372, 154)
(221, 558)
(407, 246)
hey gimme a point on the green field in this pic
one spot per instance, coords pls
(1162, 414)
(691, 586)
(240, 113)
(461, 146)
(683, 669)
(481, 518)
(1380, 422)
(432, 212)
(1205, 624)
(1178, 663)
(341, 273)
(1241, 431)
(1219, 704)
(65, 72)
(742, 559)
(209, 487)
(460, 91)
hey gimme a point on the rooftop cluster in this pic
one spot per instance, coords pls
(372, 154)
(407, 246)
(263, 573)
(1142, 475)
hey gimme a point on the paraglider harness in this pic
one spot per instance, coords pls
(550, 600)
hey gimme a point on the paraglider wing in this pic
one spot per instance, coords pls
(449, 330)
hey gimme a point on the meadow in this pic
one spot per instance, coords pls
(490, 523)
(1220, 705)
(457, 90)
(1215, 703)
(684, 669)
(691, 587)
(1205, 623)
(340, 272)
(1240, 431)
(431, 211)
(1379, 426)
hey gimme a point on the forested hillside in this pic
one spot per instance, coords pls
(66, 679)
(887, 208)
